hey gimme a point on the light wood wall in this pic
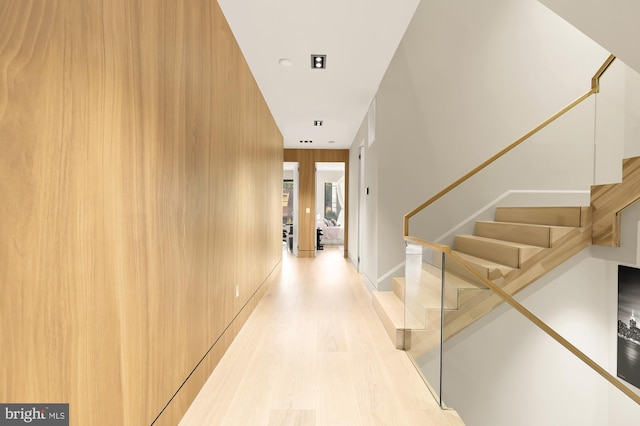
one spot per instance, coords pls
(140, 183)
(307, 159)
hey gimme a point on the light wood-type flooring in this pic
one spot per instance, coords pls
(314, 353)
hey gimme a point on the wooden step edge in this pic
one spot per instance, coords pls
(389, 320)
(563, 216)
(392, 314)
(630, 166)
(478, 304)
(450, 279)
(496, 241)
(508, 253)
(431, 298)
(525, 233)
(490, 249)
(429, 295)
(533, 225)
(467, 294)
(492, 270)
(399, 284)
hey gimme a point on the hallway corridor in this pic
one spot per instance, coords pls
(314, 353)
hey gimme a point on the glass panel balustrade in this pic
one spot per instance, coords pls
(423, 311)
(496, 364)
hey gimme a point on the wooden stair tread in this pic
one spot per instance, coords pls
(483, 262)
(500, 251)
(499, 242)
(457, 289)
(474, 305)
(491, 270)
(393, 307)
(513, 251)
(450, 279)
(540, 237)
(426, 294)
(392, 314)
(524, 233)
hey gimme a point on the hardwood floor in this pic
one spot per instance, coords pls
(314, 353)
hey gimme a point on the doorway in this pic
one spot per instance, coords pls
(290, 203)
(330, 205)
(362, 216)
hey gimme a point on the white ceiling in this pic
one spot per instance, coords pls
(359, 38)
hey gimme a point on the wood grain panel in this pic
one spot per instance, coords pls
(306, 158)
(140, 181)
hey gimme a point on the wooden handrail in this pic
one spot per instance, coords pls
(544, 327)
(595, 81)
(595, 88)
(430, 244)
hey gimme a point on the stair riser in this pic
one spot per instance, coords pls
(503, 253)
(556, 216)
(457, 269)
(428, 293)
(520, 233)
(395, 334)
(398, 287)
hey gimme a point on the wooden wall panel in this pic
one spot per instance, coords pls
(307, 193)
(140, 179)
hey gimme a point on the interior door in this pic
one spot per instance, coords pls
(361, 209)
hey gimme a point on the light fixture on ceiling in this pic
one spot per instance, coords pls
(318, 62)
(317, 123)
(285, 62)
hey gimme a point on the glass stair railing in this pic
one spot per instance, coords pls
(459, 333)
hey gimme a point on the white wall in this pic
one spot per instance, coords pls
(504, 371)
(468, 79)
(612, 23)
(632, 113)
(617, 127)
(369, 210)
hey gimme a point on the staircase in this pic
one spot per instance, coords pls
(518, 247)
(521, 245)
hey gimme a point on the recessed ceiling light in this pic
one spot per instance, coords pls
(318, 62)
(285, 62)
(317, 123)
